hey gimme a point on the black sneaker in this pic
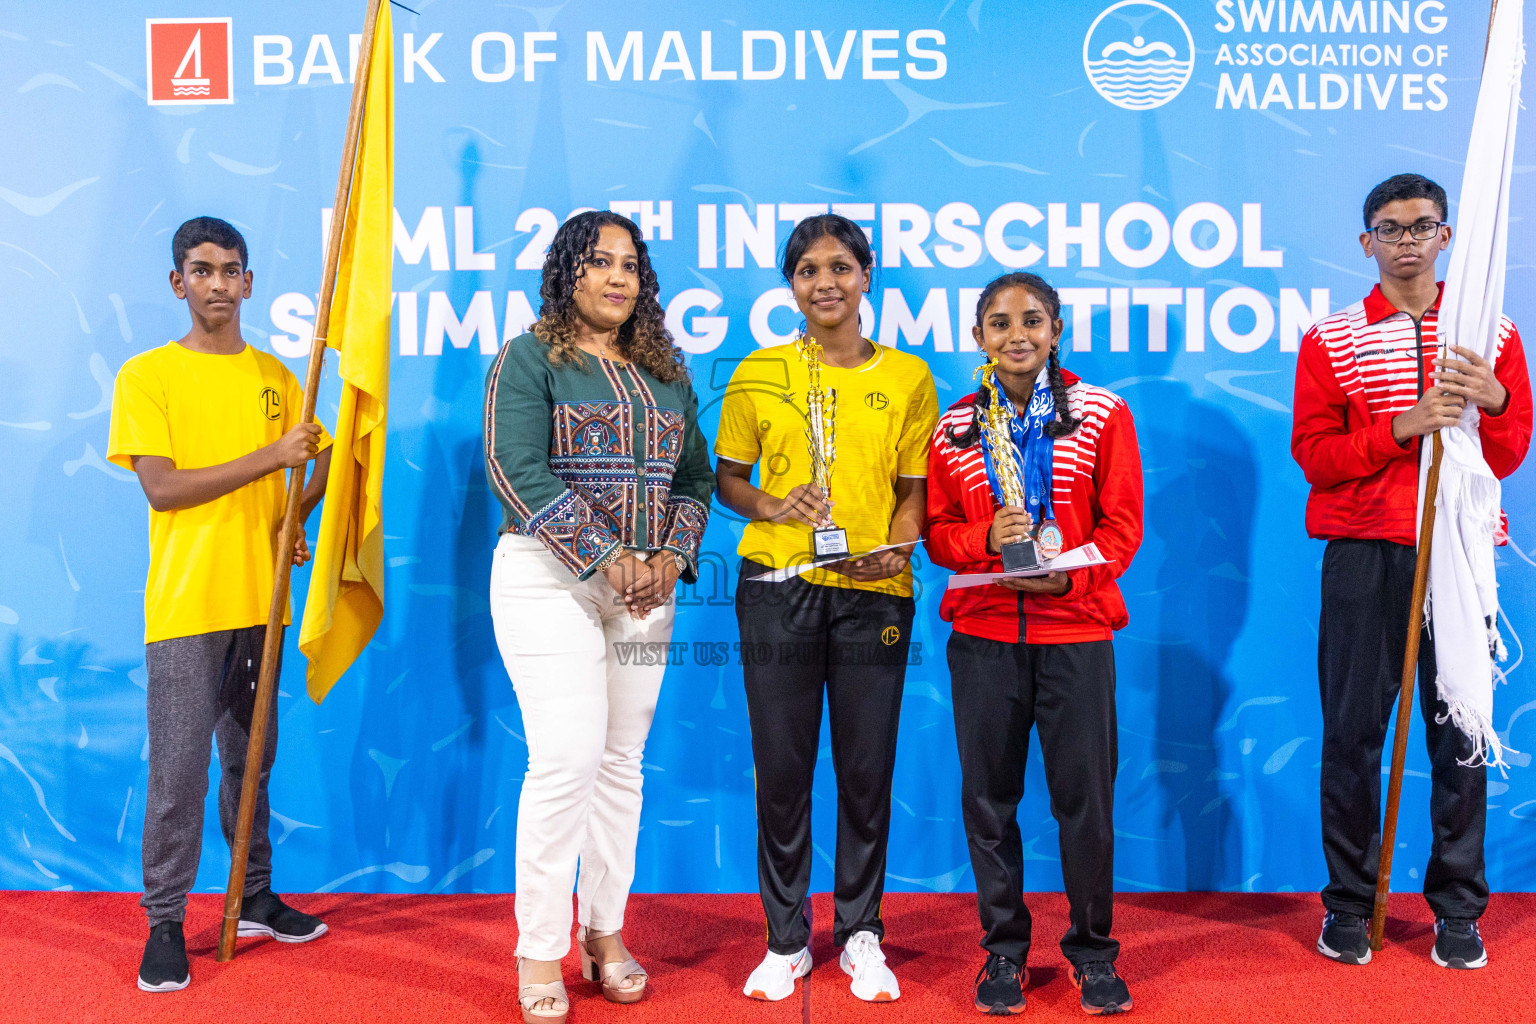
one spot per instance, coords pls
(1101, 987)
(1458, 944)
(1345, 938)
(1000, 986)
(164, 967)
(265, 914)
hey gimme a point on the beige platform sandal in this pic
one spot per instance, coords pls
(611, 975)
(530, 996)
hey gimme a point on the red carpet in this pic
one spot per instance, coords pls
(71, 957)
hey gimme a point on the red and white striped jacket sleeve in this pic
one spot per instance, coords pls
(1117, 529)
(1507, 437)
(1327, 449)
(951, 539)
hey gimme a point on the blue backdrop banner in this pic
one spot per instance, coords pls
(1189, 173)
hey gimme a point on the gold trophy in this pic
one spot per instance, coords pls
(821, 435)
(1007, 467)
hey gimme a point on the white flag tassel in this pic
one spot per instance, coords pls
(1463, 590)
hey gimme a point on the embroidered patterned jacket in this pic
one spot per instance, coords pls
(586, 458)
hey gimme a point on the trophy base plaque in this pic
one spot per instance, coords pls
(829, 542)
(1020, 554)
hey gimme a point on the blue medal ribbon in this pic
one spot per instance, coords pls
(1033, 448)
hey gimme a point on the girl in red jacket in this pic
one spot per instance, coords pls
(1036, 652)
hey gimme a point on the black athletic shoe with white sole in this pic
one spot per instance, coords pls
(265, 914)
(164, 967)
(1345, 938)
(1000, 986)
(1458, 945)
(1103, 991)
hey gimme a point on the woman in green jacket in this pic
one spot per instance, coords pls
(592, 445)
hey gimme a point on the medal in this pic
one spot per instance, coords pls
(1049, 540)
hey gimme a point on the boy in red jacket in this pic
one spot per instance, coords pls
(1369, 389)
(1036, 652)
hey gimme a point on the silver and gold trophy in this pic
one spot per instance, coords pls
(1008, 468)
(821, 433)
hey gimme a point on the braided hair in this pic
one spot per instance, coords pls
(1064, 423)
(643, 338)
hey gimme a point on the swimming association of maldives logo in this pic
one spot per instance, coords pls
(1138, 54)
(189, 60)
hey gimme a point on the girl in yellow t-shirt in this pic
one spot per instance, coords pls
(842, 627)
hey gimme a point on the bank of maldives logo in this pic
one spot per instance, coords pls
(1138, 54)
(188, 60)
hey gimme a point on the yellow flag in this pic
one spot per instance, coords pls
(346, 588)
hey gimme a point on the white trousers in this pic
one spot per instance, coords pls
(586, 710)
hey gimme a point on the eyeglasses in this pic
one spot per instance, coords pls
(1421, 231)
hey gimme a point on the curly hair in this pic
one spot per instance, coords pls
(1065, 423)
(643, 338)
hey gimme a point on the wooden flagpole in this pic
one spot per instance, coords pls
(1405, 695)
(1410, 660)
(283, 559)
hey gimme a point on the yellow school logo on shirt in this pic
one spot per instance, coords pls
(890, 636)
(271, 403)
(876, 400)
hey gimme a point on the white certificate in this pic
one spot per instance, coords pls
(790, 572)
(1077, 558)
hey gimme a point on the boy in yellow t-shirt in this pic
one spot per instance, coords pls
(209, 424)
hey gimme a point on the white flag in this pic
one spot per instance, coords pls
(1463, 592)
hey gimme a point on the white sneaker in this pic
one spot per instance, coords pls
(863, 961)
(774, 978)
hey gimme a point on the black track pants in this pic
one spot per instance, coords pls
(798, 640)
(1367, 587)
(1067, 692)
